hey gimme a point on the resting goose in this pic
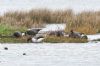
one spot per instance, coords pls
(73, 34)
(32, 31)
(36, 39)
(18, 34)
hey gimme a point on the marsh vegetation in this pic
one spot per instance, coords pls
(87, 22)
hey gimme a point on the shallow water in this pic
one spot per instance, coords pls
(65, 54)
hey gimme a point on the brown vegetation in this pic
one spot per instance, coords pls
(85, 22)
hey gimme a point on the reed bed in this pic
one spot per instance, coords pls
(86, 22)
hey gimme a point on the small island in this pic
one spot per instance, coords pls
(36, 20)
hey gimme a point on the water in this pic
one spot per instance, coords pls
(76, 5)
(65, 54)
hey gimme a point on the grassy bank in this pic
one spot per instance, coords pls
(85, 22)
(49, 39)
(55, 39)
(13, 40)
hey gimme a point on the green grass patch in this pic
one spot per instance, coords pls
(8, 30)
(54, 39)
(13, 40)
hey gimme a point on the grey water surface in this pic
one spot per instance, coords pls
(47, 54)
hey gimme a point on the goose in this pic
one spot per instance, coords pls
(73, 34)
(32, 31)
(35, 39)
(17, 34)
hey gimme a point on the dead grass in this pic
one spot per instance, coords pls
(85, 22)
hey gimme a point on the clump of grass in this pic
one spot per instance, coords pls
(5, 30)
(8, 30)
(55, 39)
